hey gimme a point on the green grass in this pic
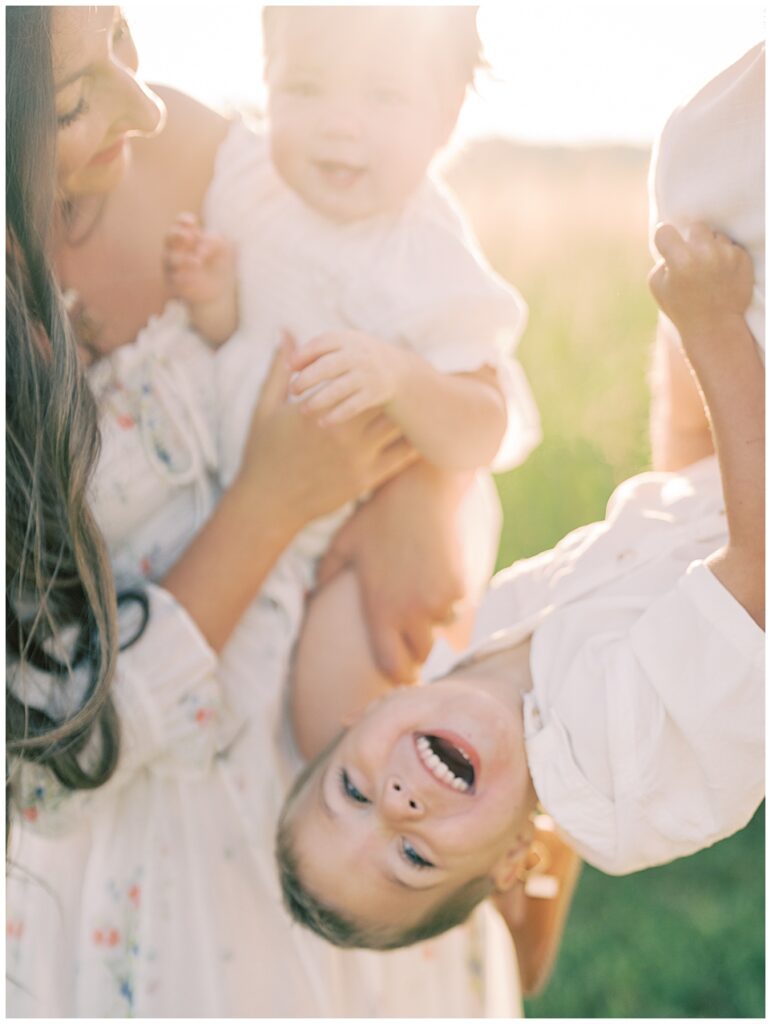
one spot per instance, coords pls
(683, 940)
(568, 227)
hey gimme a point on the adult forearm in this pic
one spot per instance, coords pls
(455, 421)
(228, 561)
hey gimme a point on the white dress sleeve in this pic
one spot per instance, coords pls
(167, 699)
(645, 731)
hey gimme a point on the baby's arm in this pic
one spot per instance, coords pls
(200, 269)
(455, 421)
(704, 285)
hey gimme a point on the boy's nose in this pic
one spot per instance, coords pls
(400, 802)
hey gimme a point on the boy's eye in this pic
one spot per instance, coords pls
(350, 791)
(412, 856)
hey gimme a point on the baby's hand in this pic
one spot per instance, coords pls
(346, 373)
(702, 283)
(199, 267)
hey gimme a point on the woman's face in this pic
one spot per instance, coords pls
(100, 102)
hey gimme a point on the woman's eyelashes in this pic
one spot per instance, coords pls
(349, 790)
(411, 855)
(63, 120)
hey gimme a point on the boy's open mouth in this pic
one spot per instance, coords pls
(446, 761)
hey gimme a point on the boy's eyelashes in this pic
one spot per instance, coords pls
(407, 851)
(413, 858)
(349, 789)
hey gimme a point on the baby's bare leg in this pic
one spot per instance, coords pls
(334, 675)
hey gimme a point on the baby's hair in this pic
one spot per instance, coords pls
(445, 31)
(313, 913)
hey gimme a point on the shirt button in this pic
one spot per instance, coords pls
(624, 556)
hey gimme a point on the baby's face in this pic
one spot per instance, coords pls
(356, 115)
(421, 795)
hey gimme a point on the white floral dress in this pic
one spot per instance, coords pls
(156, 895)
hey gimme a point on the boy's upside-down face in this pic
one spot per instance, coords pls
(423, 794)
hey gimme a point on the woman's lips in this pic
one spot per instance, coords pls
(106, 156)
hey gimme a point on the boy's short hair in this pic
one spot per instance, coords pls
(449, 31)
(308, 910)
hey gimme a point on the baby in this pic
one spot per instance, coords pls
(619, 681)
(348, 245)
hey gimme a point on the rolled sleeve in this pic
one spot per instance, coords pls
(168, 701)
(648, 742)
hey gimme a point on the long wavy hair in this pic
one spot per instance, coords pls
(58, 578)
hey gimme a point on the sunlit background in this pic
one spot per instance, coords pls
(552, 175)
(562, 70)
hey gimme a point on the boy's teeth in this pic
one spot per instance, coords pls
(437, 766)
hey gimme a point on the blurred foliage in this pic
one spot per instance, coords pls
(568, 227)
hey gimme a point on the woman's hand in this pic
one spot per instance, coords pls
(292, 471)
(312, 470)
(405, 547)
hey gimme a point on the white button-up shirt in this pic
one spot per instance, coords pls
(645, 725)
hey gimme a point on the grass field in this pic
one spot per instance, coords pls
(569, 228)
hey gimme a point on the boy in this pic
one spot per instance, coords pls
(627, 696)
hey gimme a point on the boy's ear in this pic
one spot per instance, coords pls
(510, 868)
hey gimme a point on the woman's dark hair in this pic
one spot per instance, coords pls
(58, 579)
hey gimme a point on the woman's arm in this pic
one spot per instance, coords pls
(292, 472)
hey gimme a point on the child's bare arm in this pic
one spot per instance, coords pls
(334, 675)
(200, 269)
(679, 428)
(704, 285)
(455, 421)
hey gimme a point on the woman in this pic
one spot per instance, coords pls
(152, 900)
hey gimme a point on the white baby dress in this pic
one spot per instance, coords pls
(414, 278)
